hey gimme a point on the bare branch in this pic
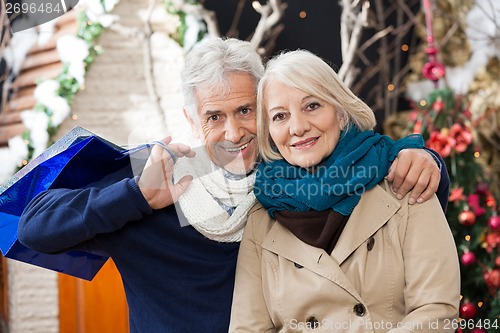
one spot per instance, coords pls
(271, 13)
(387, 23)
(352, 22)
(450, 33)
(271, 41)
(266, 32)
(373, 39)
(233, 30)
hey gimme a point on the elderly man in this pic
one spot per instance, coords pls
(180, 279)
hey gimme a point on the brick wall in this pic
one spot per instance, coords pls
(33, 299)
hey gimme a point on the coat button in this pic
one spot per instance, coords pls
(370, 243)
(359, 310)
(312, 322)
(298, 265)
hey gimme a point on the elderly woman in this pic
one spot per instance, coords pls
(332, 248)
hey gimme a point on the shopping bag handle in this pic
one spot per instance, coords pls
(148, 145)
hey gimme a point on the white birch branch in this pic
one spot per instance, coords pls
(353, 21)
(271, 13)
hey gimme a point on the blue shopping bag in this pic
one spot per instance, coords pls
(76, 160)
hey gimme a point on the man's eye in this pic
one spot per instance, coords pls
(246, 111)
(214, 117)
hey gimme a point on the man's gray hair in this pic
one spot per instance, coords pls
(209, 62)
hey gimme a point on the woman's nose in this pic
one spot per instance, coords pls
(298, 124)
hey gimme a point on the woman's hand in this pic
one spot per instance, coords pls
(155, 181)
(414, 170)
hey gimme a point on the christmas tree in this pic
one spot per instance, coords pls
(445, 123)
(445, 120)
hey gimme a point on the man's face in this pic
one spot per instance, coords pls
(227, 122)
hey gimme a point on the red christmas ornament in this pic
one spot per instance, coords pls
(462, 136)
(467, 218)
(482, 188)
(467, 310)
(474, 202)
(492, 278)
(492, 241)
(494, 222)
(468, 258)
(491, 202)
(438, 105)
(433, 69)
(497, 261)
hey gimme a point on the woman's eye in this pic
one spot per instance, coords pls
(313, 106)
(278, 116)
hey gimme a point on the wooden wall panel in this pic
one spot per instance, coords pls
(4, 310)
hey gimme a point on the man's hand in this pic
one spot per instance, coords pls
(156, 183)
(414, 170)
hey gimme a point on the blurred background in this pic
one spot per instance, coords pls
(112, 67)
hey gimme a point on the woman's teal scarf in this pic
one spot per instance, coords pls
(358, 163)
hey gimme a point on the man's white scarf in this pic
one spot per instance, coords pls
(210, 185)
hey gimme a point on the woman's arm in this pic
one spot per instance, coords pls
(249, 311)
(432, 275)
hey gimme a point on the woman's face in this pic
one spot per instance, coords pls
(304, 128)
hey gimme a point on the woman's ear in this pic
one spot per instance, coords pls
(342, 119)
(273, 146)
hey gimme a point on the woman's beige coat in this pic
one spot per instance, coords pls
(394, 266)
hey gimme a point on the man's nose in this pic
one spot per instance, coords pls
(233, 130)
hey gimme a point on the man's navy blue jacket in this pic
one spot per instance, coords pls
(175, 279)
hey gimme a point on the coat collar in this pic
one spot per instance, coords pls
(374, 210)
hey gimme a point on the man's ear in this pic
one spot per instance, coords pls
(188, 117)
(194, 123)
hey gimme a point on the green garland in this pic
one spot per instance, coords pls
(173, 9)
(88, 31)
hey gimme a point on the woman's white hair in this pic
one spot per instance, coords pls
(306, 71)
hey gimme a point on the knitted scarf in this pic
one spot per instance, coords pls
(216, 204)
(360, 161)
